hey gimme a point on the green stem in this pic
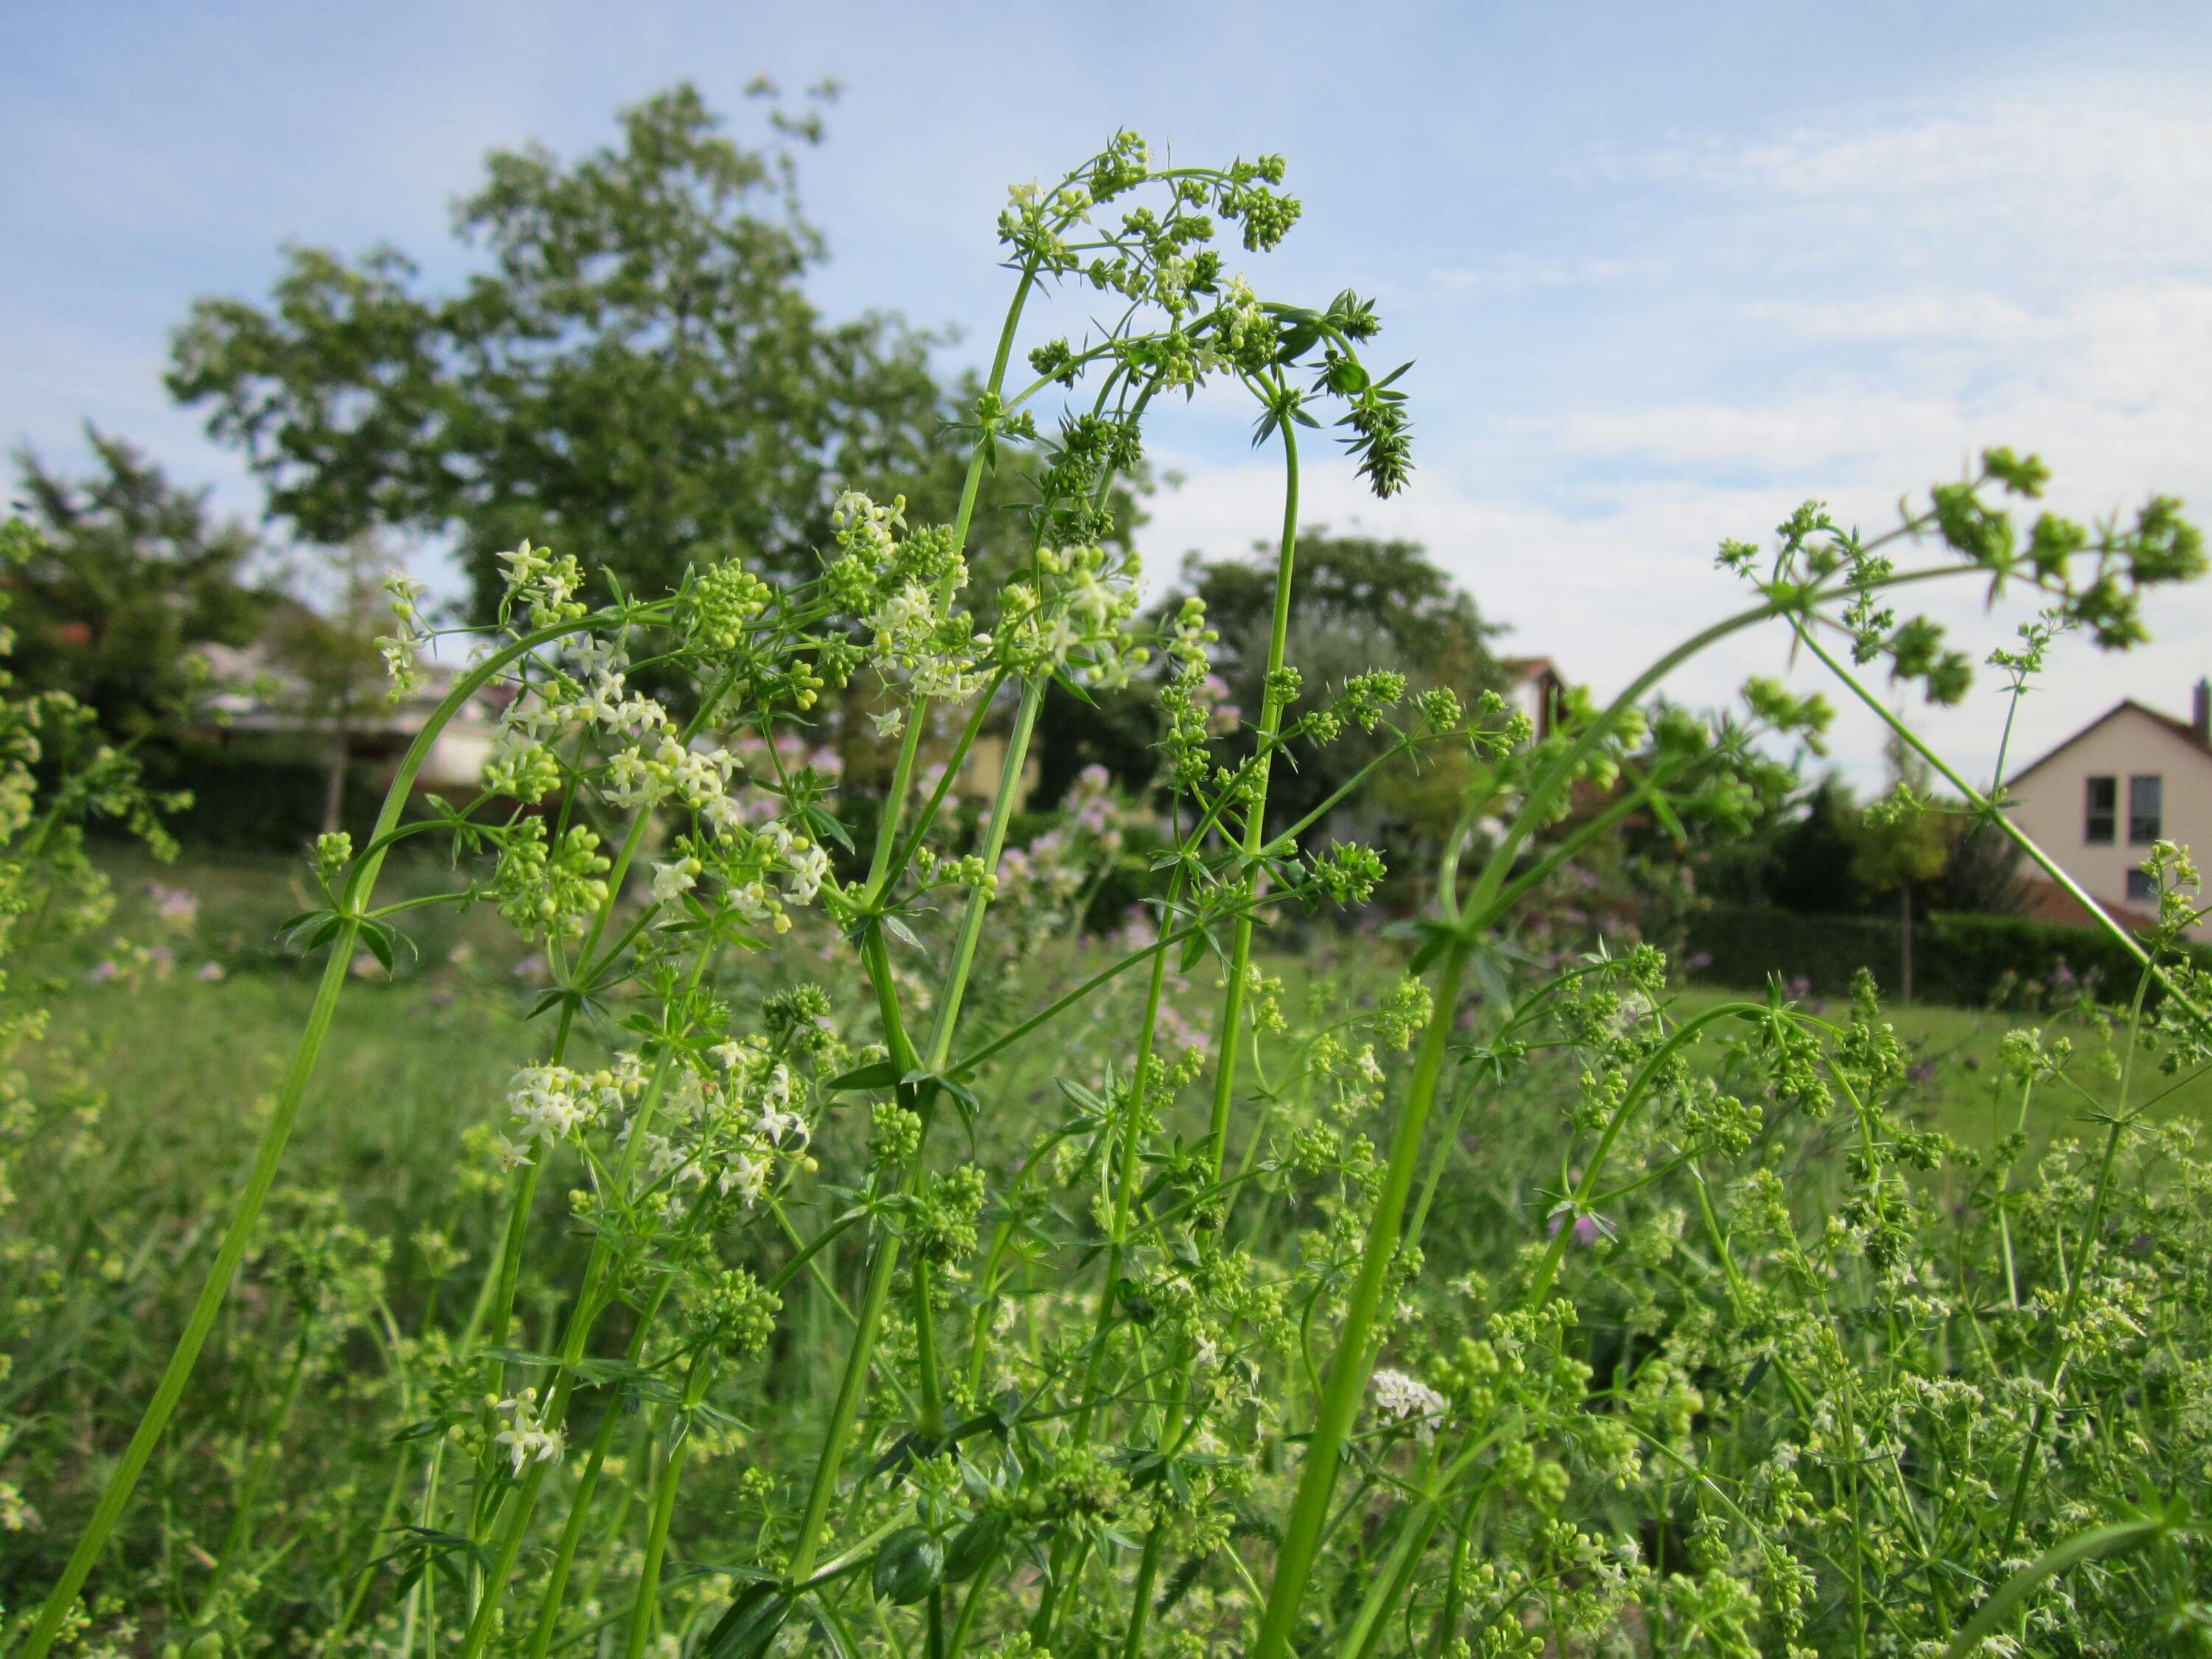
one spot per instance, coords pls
(572, 1529)
(1349, 1368)
(2077, 1275)
(1229, 1037)
(884, 1261)
(978, 899)
(1067, 1553)
(967, 1063)
(526, 1192)
(882, 1267)
(592, 1299)
(1255, 815)
(970, 1607)
(647, 1608)
(246, 1209)
(1140, 1596)
(1655, 1066)
(249, 1497)
(932, 1414)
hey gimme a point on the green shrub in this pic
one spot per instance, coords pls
(253, 803)
(1966, 961)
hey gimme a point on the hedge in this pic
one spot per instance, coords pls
(1967, 961)
(251, 803)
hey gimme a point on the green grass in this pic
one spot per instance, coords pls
(1956, 1052)
(412, 1062)
(124, 1213)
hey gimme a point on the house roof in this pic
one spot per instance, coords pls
(1528, 668)
(2180, 728)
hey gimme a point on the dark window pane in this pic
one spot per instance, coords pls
(2142, 889)
(2101, 806)
(2146, 796)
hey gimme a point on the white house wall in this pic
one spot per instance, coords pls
(456, 760)
(2050, 802)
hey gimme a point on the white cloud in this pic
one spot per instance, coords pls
(1620, 362)
(2101, 173)
(1511, 273)
(1606, 593)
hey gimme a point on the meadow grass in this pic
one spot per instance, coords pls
(822, 1280)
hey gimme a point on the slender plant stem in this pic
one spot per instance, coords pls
(1228, 1034)
(646, 1608)
(246, 1209)
(1255, 829)
(884, 1260)
(830, 1460)
(2077, 1274)
(1348, 1369)
(572, 1529)
(249, 1497)
(592, 1298)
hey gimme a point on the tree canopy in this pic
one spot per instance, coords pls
(130, 576)
(635, 374)
(1360, 604)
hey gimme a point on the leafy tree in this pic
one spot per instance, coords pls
(1982, 871)
(1901, 845)
(1812, 870)
(130, 574)
(1360, 604)
(637, 376)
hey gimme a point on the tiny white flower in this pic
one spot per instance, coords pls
(1407, 1400)
(523, 563)
(526, 1437)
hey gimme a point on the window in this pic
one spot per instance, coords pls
(2103, 804)
(2144, 800)
(2142, 889)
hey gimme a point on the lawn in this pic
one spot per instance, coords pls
(178, 1017)
(414, 1059)
(1955, 1056)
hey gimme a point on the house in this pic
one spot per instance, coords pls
(271, 711)
(2096, 803)
(1535, 686)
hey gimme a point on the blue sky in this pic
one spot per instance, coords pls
(1664, 271)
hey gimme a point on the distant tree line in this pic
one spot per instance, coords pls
(1824, 857)
(634, 373)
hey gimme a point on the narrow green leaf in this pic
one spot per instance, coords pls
(752, 1623)
(2082, 1547)
(878, 1074)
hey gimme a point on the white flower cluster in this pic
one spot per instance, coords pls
(904, 586)
(730, 1132)
(744, 862)
(526, 1437)
(546, 587)
(400, 647)
(1241, 307)
(553, 1103)
(1407, 1401)
(761, 870)
(804, 863)
(1077, 609)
